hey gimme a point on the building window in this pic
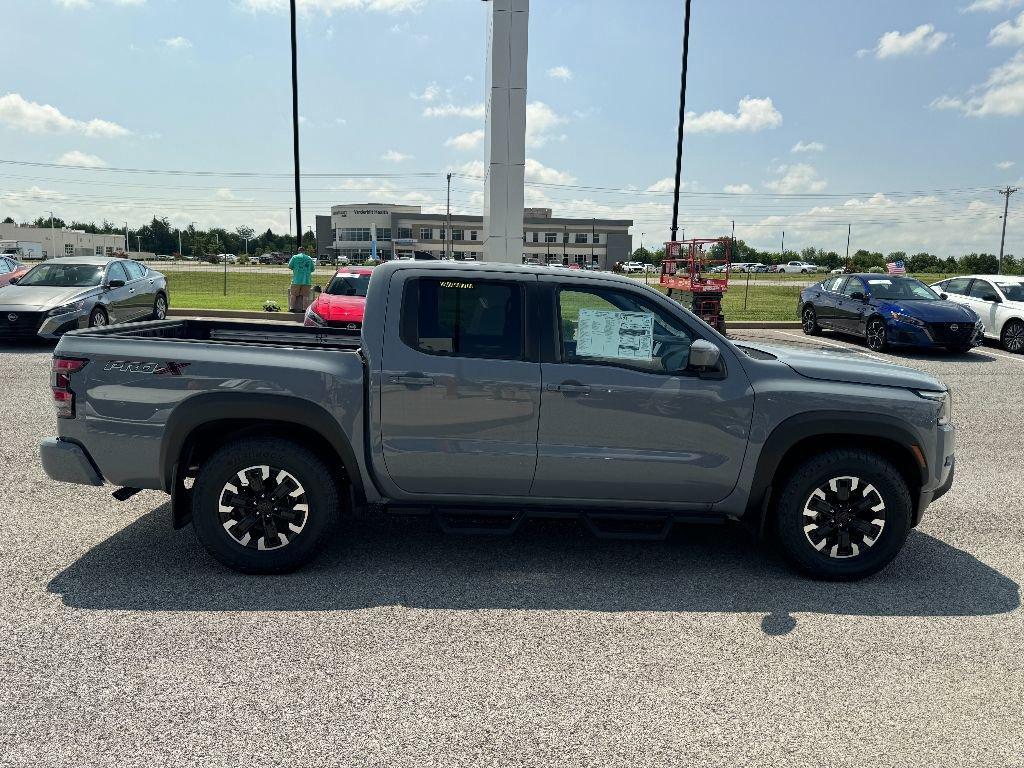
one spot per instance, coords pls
(458, 234)
(472, 234)
(110, 250)
(426, 233)
(405, 233)
(383, 233)
(549, 237)
(99, 250)
(354, 235)
(597, 238)
(69, 249)
(581, 238)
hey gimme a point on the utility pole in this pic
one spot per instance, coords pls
(448, 226)
(849, 230)
(782, 254)
(289, 222)
(1006, 211)
(682, 120)
(53, 237)
(295, 134)
(179, 242)
(127, 242)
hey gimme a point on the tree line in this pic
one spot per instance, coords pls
(862, 260)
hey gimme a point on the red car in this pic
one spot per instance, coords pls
(341, 304)
(10, 269)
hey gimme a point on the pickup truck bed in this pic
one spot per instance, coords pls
(233, 332)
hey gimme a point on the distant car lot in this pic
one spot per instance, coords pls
(405, 646)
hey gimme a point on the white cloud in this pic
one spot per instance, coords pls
(340, 121)
(32, 117)
(808, 146)
(991, 5)
(751, 115)
(668, 184)
(466, 141)
(177, 42)
(1008, 32)
(1001, 95)
(922, 39)
(1005, 165)
(74, 157)
(472, 168)
(798, 178)
(394, 156)
(738, 189)
(328, 7)
(430, 93)
(84, 4)
(472, 111)
(560, 73)
(224, 194)
(537, 171)
(541, 120)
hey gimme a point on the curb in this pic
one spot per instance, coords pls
(741, 325)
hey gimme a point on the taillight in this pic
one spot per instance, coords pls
(60, 383)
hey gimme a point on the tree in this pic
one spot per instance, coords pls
(245, 233)
(8, 220)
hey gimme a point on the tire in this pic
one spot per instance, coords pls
(159, 307)
(243, 529)
(98, 318)
(876, 523)
(809, 321)
(1012, 337)
(875, 335)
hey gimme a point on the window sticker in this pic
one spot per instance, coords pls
(621, 335)
(879, 282)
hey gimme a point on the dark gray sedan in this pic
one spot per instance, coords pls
(61, 295)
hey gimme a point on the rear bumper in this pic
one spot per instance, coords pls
(68, 462)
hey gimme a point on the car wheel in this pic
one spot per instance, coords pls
(875, 335)
(809, 321)
(1013, 337)
(264, 505)
(843, 515)
(98, 318)
(160, 307)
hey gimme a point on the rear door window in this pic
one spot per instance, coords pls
(116, 272)
(983, 291)
(959, 286)
(853, 285)
(462, 317)
(135, 270)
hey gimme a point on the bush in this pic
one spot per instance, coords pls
(271, 306)
(876, 271)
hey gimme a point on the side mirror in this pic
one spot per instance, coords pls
(317, 289)
(115, 284)
(14, 281)
(994, 299)
(704, 355)
(858, 296)
(943, 296)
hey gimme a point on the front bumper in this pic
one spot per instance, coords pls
(18, 324)
(942, 469)
(68, 462)
(905, 334)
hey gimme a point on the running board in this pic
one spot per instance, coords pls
(479, 523)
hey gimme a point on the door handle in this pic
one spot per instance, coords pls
(412, 381)
(569, 389)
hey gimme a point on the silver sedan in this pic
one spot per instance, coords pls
(61, 295)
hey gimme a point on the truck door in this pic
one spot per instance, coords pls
(622, 416)
(459, 393)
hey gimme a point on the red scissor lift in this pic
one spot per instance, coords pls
(701, 269)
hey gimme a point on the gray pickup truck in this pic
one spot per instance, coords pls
(487, 394)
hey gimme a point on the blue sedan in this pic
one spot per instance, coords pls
(889, 310)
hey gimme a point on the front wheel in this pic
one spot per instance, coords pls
(843, 515)
(264, 505)
(1013, 337)
(875, 335)
(160, 307)
(809, 322)
(98, 318)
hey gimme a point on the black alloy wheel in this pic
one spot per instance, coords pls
(98, 318)
(1013, 337)
(263, 507)
(875, 335)
(844, 517)
(809, 321)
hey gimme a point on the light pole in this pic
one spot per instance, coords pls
(192, 226)
(682, 120)
(138, 241)
(448, 226)
(179, 242)
(53, 235)
(295, 130)
(127, 242)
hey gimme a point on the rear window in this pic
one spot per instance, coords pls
(464, 318)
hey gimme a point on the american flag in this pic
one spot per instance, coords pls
(896, 267)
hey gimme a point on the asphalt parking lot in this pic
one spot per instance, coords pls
(122, 643)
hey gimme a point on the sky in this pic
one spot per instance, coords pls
(899, 120)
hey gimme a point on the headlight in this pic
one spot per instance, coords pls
(76, 306)
(899, 317)
(312, 318)
(945, 400)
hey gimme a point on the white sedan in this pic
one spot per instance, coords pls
(997, 299)
(800, 266)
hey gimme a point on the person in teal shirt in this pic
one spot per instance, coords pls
(302, 267)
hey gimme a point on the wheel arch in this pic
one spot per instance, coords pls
(804, 435)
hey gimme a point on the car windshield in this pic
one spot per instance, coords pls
(1012, 291)
(348, 285)
(896, 288)
(64, 275)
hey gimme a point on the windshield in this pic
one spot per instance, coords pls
(897, 288)
(1012, 291)
(348, 285)
(64, 275)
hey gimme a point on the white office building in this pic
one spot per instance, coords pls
(57, 242)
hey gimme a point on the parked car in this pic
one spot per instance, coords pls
(11, 269)
(751, 266)
(888, 310)
(632, 267)
(341, 305)
(463, 376)
(799, 266)
(997, 299)
(61, 295)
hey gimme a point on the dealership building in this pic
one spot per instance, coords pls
(56, 242)
(404, 230)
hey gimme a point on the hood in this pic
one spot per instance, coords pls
(340, 308)
(929, 311)
(31, 298)
(840, 366)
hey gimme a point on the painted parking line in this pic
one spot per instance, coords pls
(817, 340)
(1015, 358)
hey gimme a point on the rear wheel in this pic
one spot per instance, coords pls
(264, 505)
(843, 515)
(875, 335)
(809, 321)
(98, 318)
(1013, 337)
(160, 307)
